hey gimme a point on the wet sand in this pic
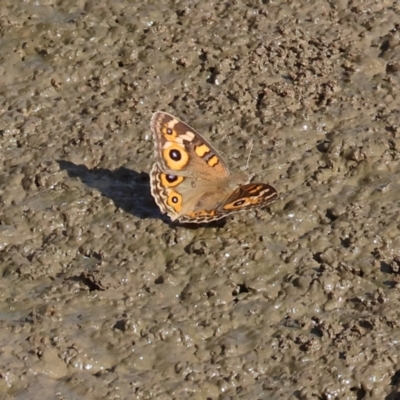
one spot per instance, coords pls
(103, 298)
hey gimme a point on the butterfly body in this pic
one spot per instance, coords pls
(191, 182)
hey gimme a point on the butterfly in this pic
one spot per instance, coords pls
(190, 181)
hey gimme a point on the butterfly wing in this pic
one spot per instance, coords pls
(176, 197)
(181, 150)
(249, 196)
(182, 199)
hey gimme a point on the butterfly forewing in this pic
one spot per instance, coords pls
(180, 148)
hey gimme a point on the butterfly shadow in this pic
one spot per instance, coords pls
(128, 189)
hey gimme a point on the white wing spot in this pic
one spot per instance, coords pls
(171, 124)
(188, 136)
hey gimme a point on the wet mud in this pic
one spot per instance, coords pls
(102, 297)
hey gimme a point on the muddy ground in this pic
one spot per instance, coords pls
(103, 298)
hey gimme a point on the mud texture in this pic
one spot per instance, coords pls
(103, 298)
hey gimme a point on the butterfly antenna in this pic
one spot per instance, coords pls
(248, 158)
(269, 168)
